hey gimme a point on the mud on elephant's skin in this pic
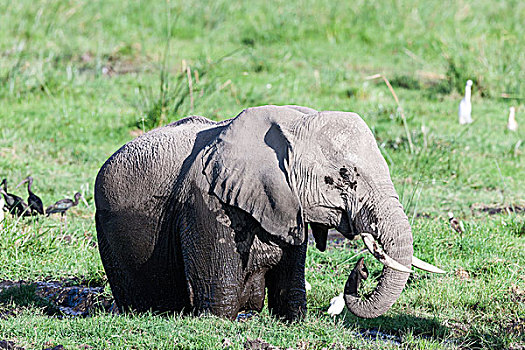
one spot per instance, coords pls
(202, 216)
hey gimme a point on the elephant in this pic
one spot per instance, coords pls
(207, 217)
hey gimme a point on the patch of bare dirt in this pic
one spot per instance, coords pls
(492, 209)
(258, 344)
(516, 327)
(462, 274)
(517, 293)
(334, 239)
(124, 59)
(459, 329)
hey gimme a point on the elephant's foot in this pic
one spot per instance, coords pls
(218, 301)
(288, 304)
(229, 313)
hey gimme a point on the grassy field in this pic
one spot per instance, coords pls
(80, 78)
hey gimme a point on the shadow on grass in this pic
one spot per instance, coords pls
(395, 328)
(24, 296)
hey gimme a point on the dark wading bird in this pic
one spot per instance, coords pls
(34, 202)
(2, 203)
(14, 204)
(63, 205)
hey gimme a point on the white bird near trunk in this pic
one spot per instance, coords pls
(307, 286)
(337, 305)
(512, 124)
(465, 107)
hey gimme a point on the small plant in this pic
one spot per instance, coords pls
(457, 75)
(157, 109)
(441, 87)
(177, 95)
(406, 82)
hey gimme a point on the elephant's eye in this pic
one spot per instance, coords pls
(348, 178)
(328, 180)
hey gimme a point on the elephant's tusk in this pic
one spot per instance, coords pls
(420, 264)
(380, 255)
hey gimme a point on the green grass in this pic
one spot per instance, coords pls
(61, 117)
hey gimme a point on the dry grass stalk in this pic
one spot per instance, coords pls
(190, 86)
(226, 83)
(409, 138)
(196, 73)
(317, 79)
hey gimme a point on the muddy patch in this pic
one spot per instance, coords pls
(9, 345)
(56, 298)
(334, 239)
(258, 344)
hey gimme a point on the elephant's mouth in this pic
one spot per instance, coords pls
(390, 283)
(320, 233)
(377, 252)
(393, 277)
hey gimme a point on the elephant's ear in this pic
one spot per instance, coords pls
(247, 167)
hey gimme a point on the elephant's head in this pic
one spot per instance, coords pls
(293, 166)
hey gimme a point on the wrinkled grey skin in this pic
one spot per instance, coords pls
(202, 216)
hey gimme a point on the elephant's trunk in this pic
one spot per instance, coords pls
(390, 227)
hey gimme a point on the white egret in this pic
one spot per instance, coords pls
(512, 124)
(307, 286)
(465, 107)
(337, 304)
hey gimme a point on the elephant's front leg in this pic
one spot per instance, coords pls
(213, 271)
(214, 280)
(285, 283)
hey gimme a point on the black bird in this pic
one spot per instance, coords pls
(14, 204)
(63, 205)
(35, 203)
(2, 216)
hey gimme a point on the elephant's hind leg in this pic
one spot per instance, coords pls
(155, 284)
(118, 281)
(254, 292)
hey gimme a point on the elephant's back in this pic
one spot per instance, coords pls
(133, 186)
(148, 165)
